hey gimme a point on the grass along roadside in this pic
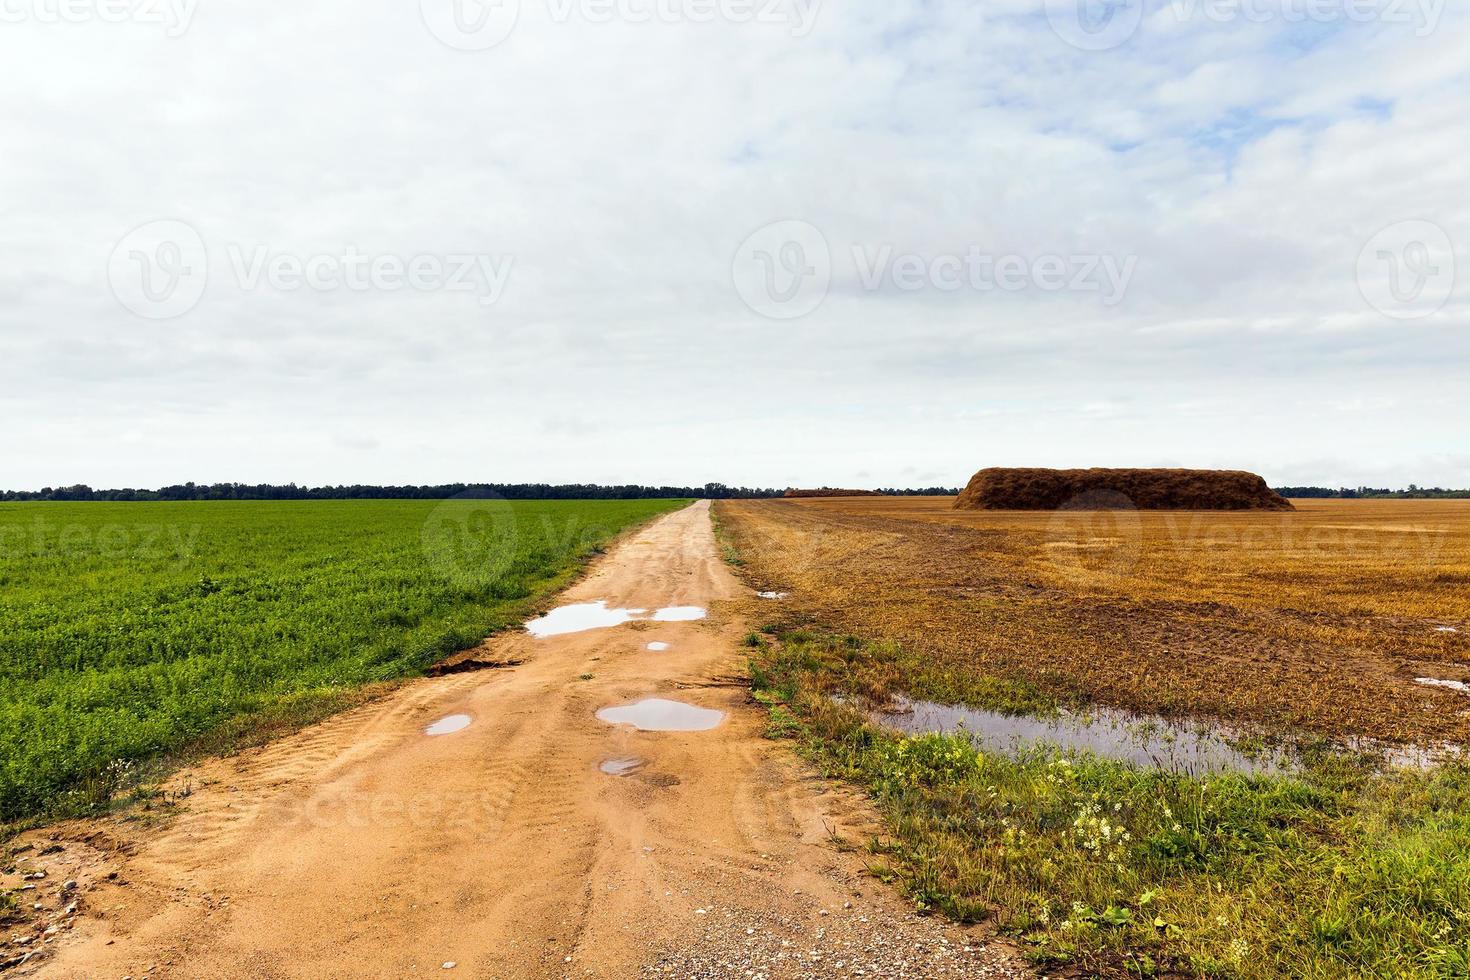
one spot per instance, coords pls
(133, 632)
(1339, 870)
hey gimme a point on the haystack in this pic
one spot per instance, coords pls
(1114, 489)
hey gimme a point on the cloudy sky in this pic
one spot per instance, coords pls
(774, 242)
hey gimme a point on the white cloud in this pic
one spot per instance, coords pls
(1244, 165)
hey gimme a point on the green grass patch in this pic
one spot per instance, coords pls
(1342, 870)
(132, 630)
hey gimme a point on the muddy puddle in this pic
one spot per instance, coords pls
(772, 595)
(584, 616)
(1118, 735)
(449, 725)
(680, 614)
(622, 767)
(581, 617)
(658, 647)
(1446, 629)
(660, 715)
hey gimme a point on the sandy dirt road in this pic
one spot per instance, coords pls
(362, 847)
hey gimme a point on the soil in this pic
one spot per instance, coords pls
(1312, 622)
(363, 847)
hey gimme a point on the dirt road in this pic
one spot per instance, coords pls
(363, 847)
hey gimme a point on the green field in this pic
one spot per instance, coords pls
(128, 630)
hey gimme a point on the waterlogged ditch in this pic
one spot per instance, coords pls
(1135, 846)
(1117, 735)
(584, 616)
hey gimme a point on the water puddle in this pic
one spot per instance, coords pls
(580, 618)
(586, 616)
(659, 715)
(680, 614)
(772, 595)
(450, 725)
(1112, 734)
(658, 647)
(622, 767)
(1446, 629)
(1460, 686)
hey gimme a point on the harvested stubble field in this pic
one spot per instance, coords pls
(1315, 621)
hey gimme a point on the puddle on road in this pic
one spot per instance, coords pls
(658, 647)
(772, 595)
(586, 616)
(1460, 686)
(622, 767)
(450, 725)
(659, 715)
(580, 618)
(1112, 734)
(680, 614)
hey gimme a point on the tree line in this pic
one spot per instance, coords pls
(508, 491)
(1414, 492)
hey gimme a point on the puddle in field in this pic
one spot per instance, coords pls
(1445, 629)
(1460, 686)
(658, 647)
(450, 725)
(622, 767)
(659, 715)
(772, 595)
(1112, 734)
(596, 615)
